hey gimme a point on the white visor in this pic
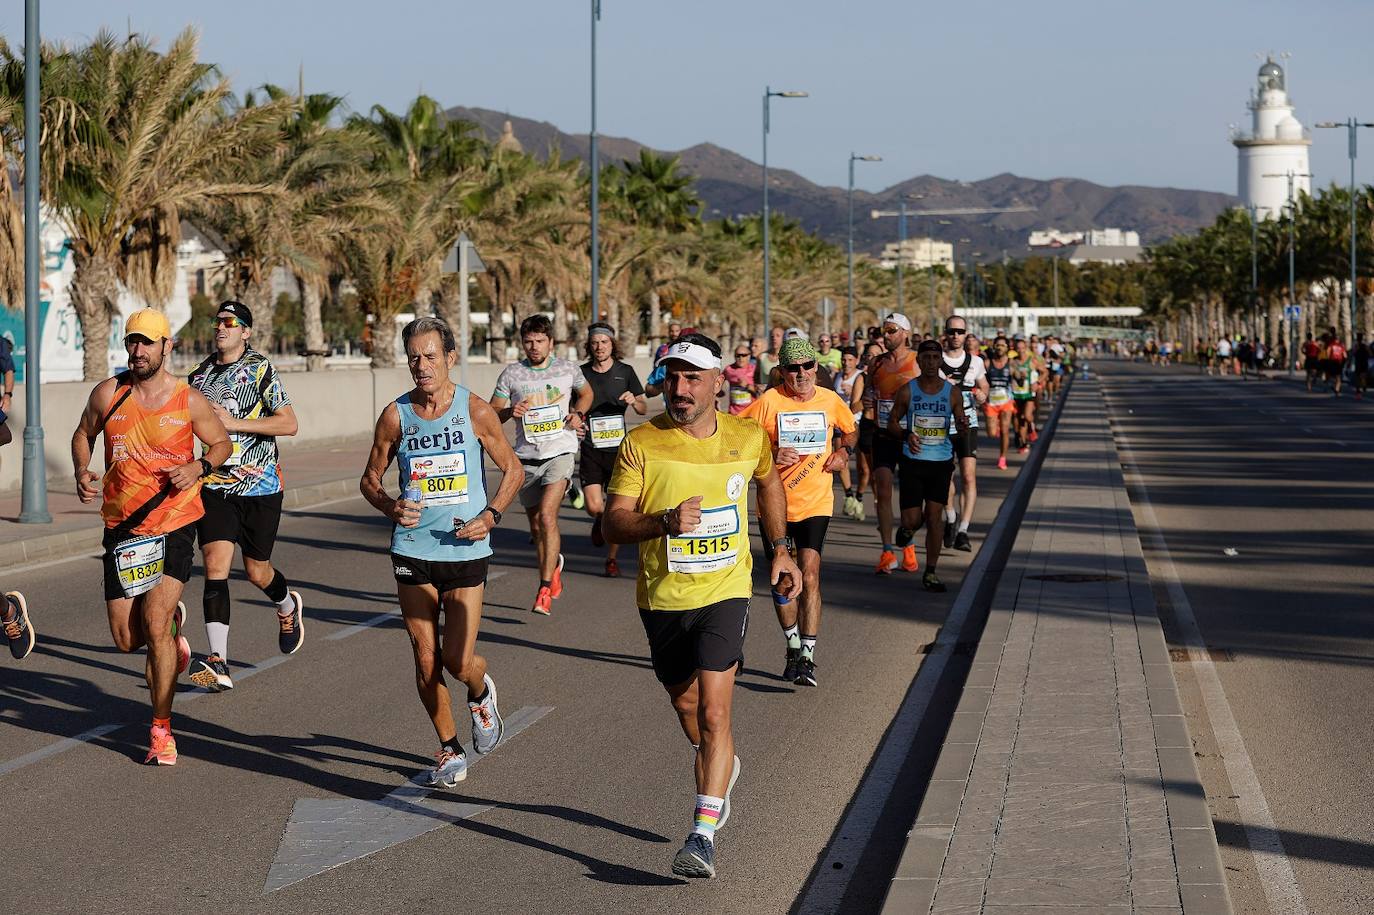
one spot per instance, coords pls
(899, 320)
(692, 354)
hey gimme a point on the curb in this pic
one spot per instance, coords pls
(48, 547)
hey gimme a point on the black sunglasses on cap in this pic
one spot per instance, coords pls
(800, 366)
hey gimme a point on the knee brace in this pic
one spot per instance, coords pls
(216, 600)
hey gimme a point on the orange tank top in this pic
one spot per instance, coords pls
(891, 374)
(140, 447)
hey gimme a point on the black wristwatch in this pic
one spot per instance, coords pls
(495, 516)
(205, 468)
(787, 543)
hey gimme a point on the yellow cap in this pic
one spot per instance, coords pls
(149, 323)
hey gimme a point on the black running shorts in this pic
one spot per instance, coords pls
(867, 430)
(595, 466)
(965, 443)
(887, 450)
(682, 642)
(249, 521)
(924, 481)
(177, 557)
(444, 576)
(807, 534)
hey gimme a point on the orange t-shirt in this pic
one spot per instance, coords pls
(808, 427)
(140, 447)
(889, 377)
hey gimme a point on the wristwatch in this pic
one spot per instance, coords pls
(205, 468)
(495, 516)
(786, 543)
(665, 519)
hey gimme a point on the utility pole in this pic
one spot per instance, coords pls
(1292, 272)
(596, 180)
(34, 498)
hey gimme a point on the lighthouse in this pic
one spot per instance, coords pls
(1275, 145)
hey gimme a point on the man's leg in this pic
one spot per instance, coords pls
(462, 619)
(596, 507)
(716, 753)
(882, 494)
(935, 531)
(420, 610)
(968, 475)
(551, 543)
(156, 608)
(810, 617)
(218, 556)
(126, 626)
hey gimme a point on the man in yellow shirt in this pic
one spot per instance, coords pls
(800, 420)
(680, 491)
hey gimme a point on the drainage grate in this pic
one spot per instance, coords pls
(1215, 655)
(1075, 577)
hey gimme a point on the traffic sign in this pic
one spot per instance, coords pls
(1292, 312)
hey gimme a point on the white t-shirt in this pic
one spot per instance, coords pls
(541, 433)
(976, 372)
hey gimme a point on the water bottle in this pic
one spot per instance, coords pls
(414, 494)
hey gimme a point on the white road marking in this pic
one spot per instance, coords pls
(1276, 875)
(60, 746)
(325, 833)
(383, 617)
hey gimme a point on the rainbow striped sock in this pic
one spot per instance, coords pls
(708, 814)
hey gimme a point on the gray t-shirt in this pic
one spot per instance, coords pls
(541, 432)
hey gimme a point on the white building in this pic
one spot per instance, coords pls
(918, 254)
(1058, 238)
(1275, 145)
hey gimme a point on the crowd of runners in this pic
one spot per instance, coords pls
(1327, 364)
(897, 416)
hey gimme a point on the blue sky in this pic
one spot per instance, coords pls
(1111, 91)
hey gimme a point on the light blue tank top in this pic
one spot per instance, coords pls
(929, 418)
(444, 458)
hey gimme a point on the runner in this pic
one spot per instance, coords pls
(680, 490)
(768, 360)
(966, 372)
(867, 406)
(1335, 356)
(1000, 409)
(849, 384)
(17, 625)
(889, 374)
(1310, 352)
(150, 504)
(931, 406)
(801, 420)
(537, 392)
(740, 386)
(831, 359)
(440, 436)
(1026, 375)
(615, 386)
(243, 498)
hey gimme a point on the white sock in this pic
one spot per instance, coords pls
(950, 515)
(218, 636)
(793, 636)
(808, 646)
(963, 526)
(287, 605)
(707, 815)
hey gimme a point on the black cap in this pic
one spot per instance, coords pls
(929, 346)
(238, 310)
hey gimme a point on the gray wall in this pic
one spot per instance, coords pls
(331, 405)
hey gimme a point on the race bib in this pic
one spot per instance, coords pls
(713, 546)
(442, 478)
(998, 396)
(542, 423)
(607, 431)
(139, 563)
(884, 411)
(235, 456)
(931, 429)
(805, 432)
(740, 397)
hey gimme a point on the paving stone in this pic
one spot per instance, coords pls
(1065, 891)
(909, 897)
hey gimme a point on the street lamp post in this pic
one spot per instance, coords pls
(33, 507)
(1254, 270)
(596, 180)
(852, 159)
(1352, 126)
(768, 95)
(1292, 271)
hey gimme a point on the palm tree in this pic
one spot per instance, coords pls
(157, 136)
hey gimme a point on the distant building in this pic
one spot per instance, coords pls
(1275, 145)
(1105, 254)
(918, 254)
(1057, 238)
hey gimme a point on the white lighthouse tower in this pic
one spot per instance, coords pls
(1275, 145)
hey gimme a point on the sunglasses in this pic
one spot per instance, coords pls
(956, 331)
(229, 321)
(742, 354)
(799, 367)
(892, 330)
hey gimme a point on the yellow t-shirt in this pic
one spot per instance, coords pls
(661, 466)
(807, 428)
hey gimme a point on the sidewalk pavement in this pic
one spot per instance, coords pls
(313, 474)
(1066, 782)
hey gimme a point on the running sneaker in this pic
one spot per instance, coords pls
(598, 541)
(696, 858)
(806, 672)
(162, 748)
(575, 496)
(887, 563)
(212, 673)
(183, 649)
(931, 582)
(909, 561)
(556, 583)
(949, 534)
(292, 634)
(725, 807)
(612, 569)
(789, 668)
(18, 629)
(543, 602)
(450, 768)
(487, 726)
(1034, 436)
(1023, 449)
(858, 508)
(851, 506)
(1001, 463)
(961, 542)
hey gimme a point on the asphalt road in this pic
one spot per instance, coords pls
(1286, 480)
(581, 811)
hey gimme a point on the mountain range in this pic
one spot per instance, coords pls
(729, 185)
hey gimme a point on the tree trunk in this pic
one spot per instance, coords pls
(655, 316)
(1366, 317)
(1275, 324)
(384, 342)
(258, 298)
(448, 307)
(560, 323)
(312, 317)
(628, 334)
(95, 288)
